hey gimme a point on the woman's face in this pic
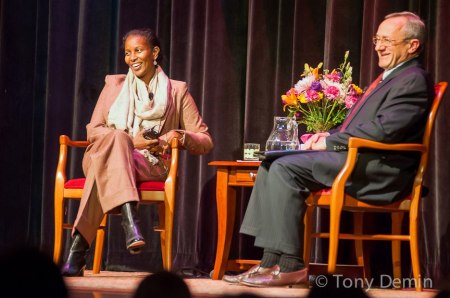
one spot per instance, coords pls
(139, 56)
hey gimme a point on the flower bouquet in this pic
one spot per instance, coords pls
(320, 101)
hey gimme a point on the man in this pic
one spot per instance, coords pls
(392, 111)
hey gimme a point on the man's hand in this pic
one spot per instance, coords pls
(317, 142)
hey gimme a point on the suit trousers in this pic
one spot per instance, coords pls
(112, 166)
(275, 212)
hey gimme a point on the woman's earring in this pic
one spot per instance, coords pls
(155, 63)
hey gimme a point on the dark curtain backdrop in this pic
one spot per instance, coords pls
(237, 56)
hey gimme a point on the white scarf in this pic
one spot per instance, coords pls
(134, 110)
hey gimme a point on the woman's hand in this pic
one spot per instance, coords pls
(316, 142)
(140, 142)
(166, 139)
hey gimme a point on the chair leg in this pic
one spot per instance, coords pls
(99, 246)
(168, 237)
(162, 234)
(397, 218)
(307, 235)
(57, 245)
(358, 222)
(335, 221)
(414, 246)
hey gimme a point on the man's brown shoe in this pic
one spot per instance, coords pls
(275, 278)
(254, 271)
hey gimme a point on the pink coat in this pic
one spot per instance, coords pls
(112, 165)
(182, 114)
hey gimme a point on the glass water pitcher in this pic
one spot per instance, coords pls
(284, 135)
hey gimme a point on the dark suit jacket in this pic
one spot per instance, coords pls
(395, 112)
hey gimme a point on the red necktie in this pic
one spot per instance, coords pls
(360, 101)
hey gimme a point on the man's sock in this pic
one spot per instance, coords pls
(291, 263)
(270, 258)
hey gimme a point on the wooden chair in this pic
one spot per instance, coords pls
(161, 193)
(337, 201)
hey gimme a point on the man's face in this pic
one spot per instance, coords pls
(392, 47)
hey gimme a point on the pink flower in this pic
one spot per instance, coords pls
(334, 77)
(312, 95)
(331, 92)
(350, 100)
(292, 91)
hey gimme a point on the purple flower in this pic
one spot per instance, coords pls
(316, 86)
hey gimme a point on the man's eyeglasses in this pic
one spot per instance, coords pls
(386, 41)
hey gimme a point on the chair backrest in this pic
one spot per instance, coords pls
(439, 94)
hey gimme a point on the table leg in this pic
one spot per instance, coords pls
(226, 210)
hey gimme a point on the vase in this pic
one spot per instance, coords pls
(284, 135)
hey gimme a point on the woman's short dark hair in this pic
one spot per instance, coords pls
(149, 35)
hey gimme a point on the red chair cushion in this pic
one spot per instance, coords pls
(325, 191)
(75, 183)
(151, 185)
(78, 183)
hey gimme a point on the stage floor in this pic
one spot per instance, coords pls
(109, 284)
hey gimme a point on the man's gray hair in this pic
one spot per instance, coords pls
(414, 27)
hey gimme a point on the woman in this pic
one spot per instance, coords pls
(134, 120)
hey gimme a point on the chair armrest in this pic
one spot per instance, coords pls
(174, 144)
(338, 187)
(171, 180)
(64, 142)
(364, 143)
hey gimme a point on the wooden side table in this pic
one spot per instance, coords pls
(230, 174)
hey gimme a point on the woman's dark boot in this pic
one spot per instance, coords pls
(130, 224)
(76, 261)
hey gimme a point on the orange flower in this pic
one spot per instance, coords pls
(290, 99)
(315, 72)
(357, 89)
